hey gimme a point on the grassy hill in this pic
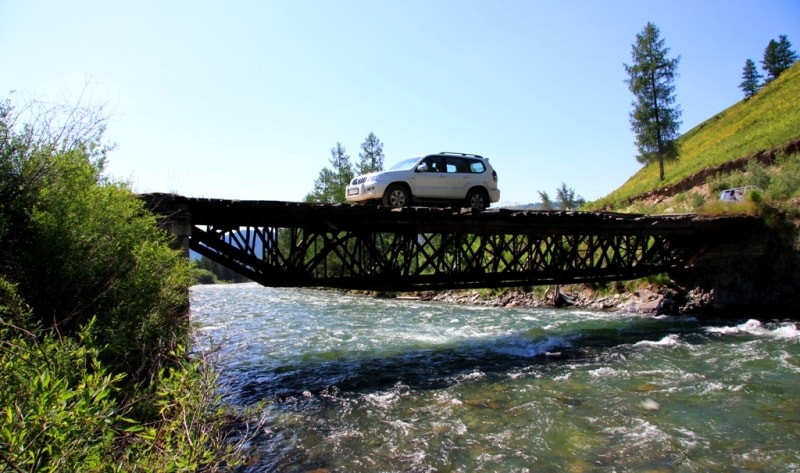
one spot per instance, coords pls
(769, 120)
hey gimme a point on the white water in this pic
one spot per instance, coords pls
(358, 384)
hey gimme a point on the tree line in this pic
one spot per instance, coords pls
(655, 118)
(329, 185)
(778, 57)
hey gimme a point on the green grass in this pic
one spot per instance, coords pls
(767, 120)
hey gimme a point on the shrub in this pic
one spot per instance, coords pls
(93, 317)
(79, 246)
(719, 207)
(785, 183)
(60, 413)
(697, 200)
(203, 276)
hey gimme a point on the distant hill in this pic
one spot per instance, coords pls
(766, 124)
(531, 206)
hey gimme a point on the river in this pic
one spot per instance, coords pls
(354, 384)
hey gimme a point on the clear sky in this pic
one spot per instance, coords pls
(244, 99)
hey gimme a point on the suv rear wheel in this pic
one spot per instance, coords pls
(396, 196)
(477, 199)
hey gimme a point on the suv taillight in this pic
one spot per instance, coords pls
(494, 176)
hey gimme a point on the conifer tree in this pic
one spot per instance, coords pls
(751, 79)
(655, 118)
(778, 56)
(567, 199)
(330, 185)
(371, 155)
(547, 203)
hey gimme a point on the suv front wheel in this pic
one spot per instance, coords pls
(396, 196)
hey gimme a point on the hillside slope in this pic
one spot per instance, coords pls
(770, 120)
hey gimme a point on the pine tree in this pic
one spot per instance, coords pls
(547, 203)
(329, 186)
(371, 155)
(751, 79)
(654, 119)
(567, 199)
(778, 56)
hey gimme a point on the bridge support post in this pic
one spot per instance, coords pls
(181, 230)
(174, 217)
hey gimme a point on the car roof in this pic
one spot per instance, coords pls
(450, 153)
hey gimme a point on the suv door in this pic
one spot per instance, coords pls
(432, 182)
(460, 175)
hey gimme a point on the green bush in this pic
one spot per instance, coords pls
(757, 175)
(79, 246)
(697, 200)
(60, 410)
(785, 184)
(203, 276)
(93, 318)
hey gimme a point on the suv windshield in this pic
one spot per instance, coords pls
(404, 164)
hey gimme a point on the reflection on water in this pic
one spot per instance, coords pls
(354, 384)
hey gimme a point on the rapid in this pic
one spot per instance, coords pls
(345, 383)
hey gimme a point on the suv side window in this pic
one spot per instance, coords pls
(459, 165)
(476, 166)
(435, 164)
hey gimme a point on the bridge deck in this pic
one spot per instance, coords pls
(372, 247)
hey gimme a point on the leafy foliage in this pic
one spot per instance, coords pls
(56, 395)
(78, 246)
(60, 413)
(654, 119)
(211, 272)
(93, 315)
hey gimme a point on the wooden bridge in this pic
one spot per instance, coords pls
(377, 248)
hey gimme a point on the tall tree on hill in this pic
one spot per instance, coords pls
(751, 79)
(329, 186)
(655, 117)
(778, 56)
(371, 155)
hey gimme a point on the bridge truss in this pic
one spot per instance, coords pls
(376, 248)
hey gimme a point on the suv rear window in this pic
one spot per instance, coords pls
(476, 166)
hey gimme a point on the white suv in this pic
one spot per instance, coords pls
(441, 178)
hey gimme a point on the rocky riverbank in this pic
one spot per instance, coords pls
(646, 300)
(650, 299)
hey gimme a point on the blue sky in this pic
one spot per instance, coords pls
(244, 99)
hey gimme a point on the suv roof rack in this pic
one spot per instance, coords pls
(463, 154)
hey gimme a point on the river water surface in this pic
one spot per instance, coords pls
(355, 384)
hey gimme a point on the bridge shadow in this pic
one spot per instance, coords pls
(353, 374)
